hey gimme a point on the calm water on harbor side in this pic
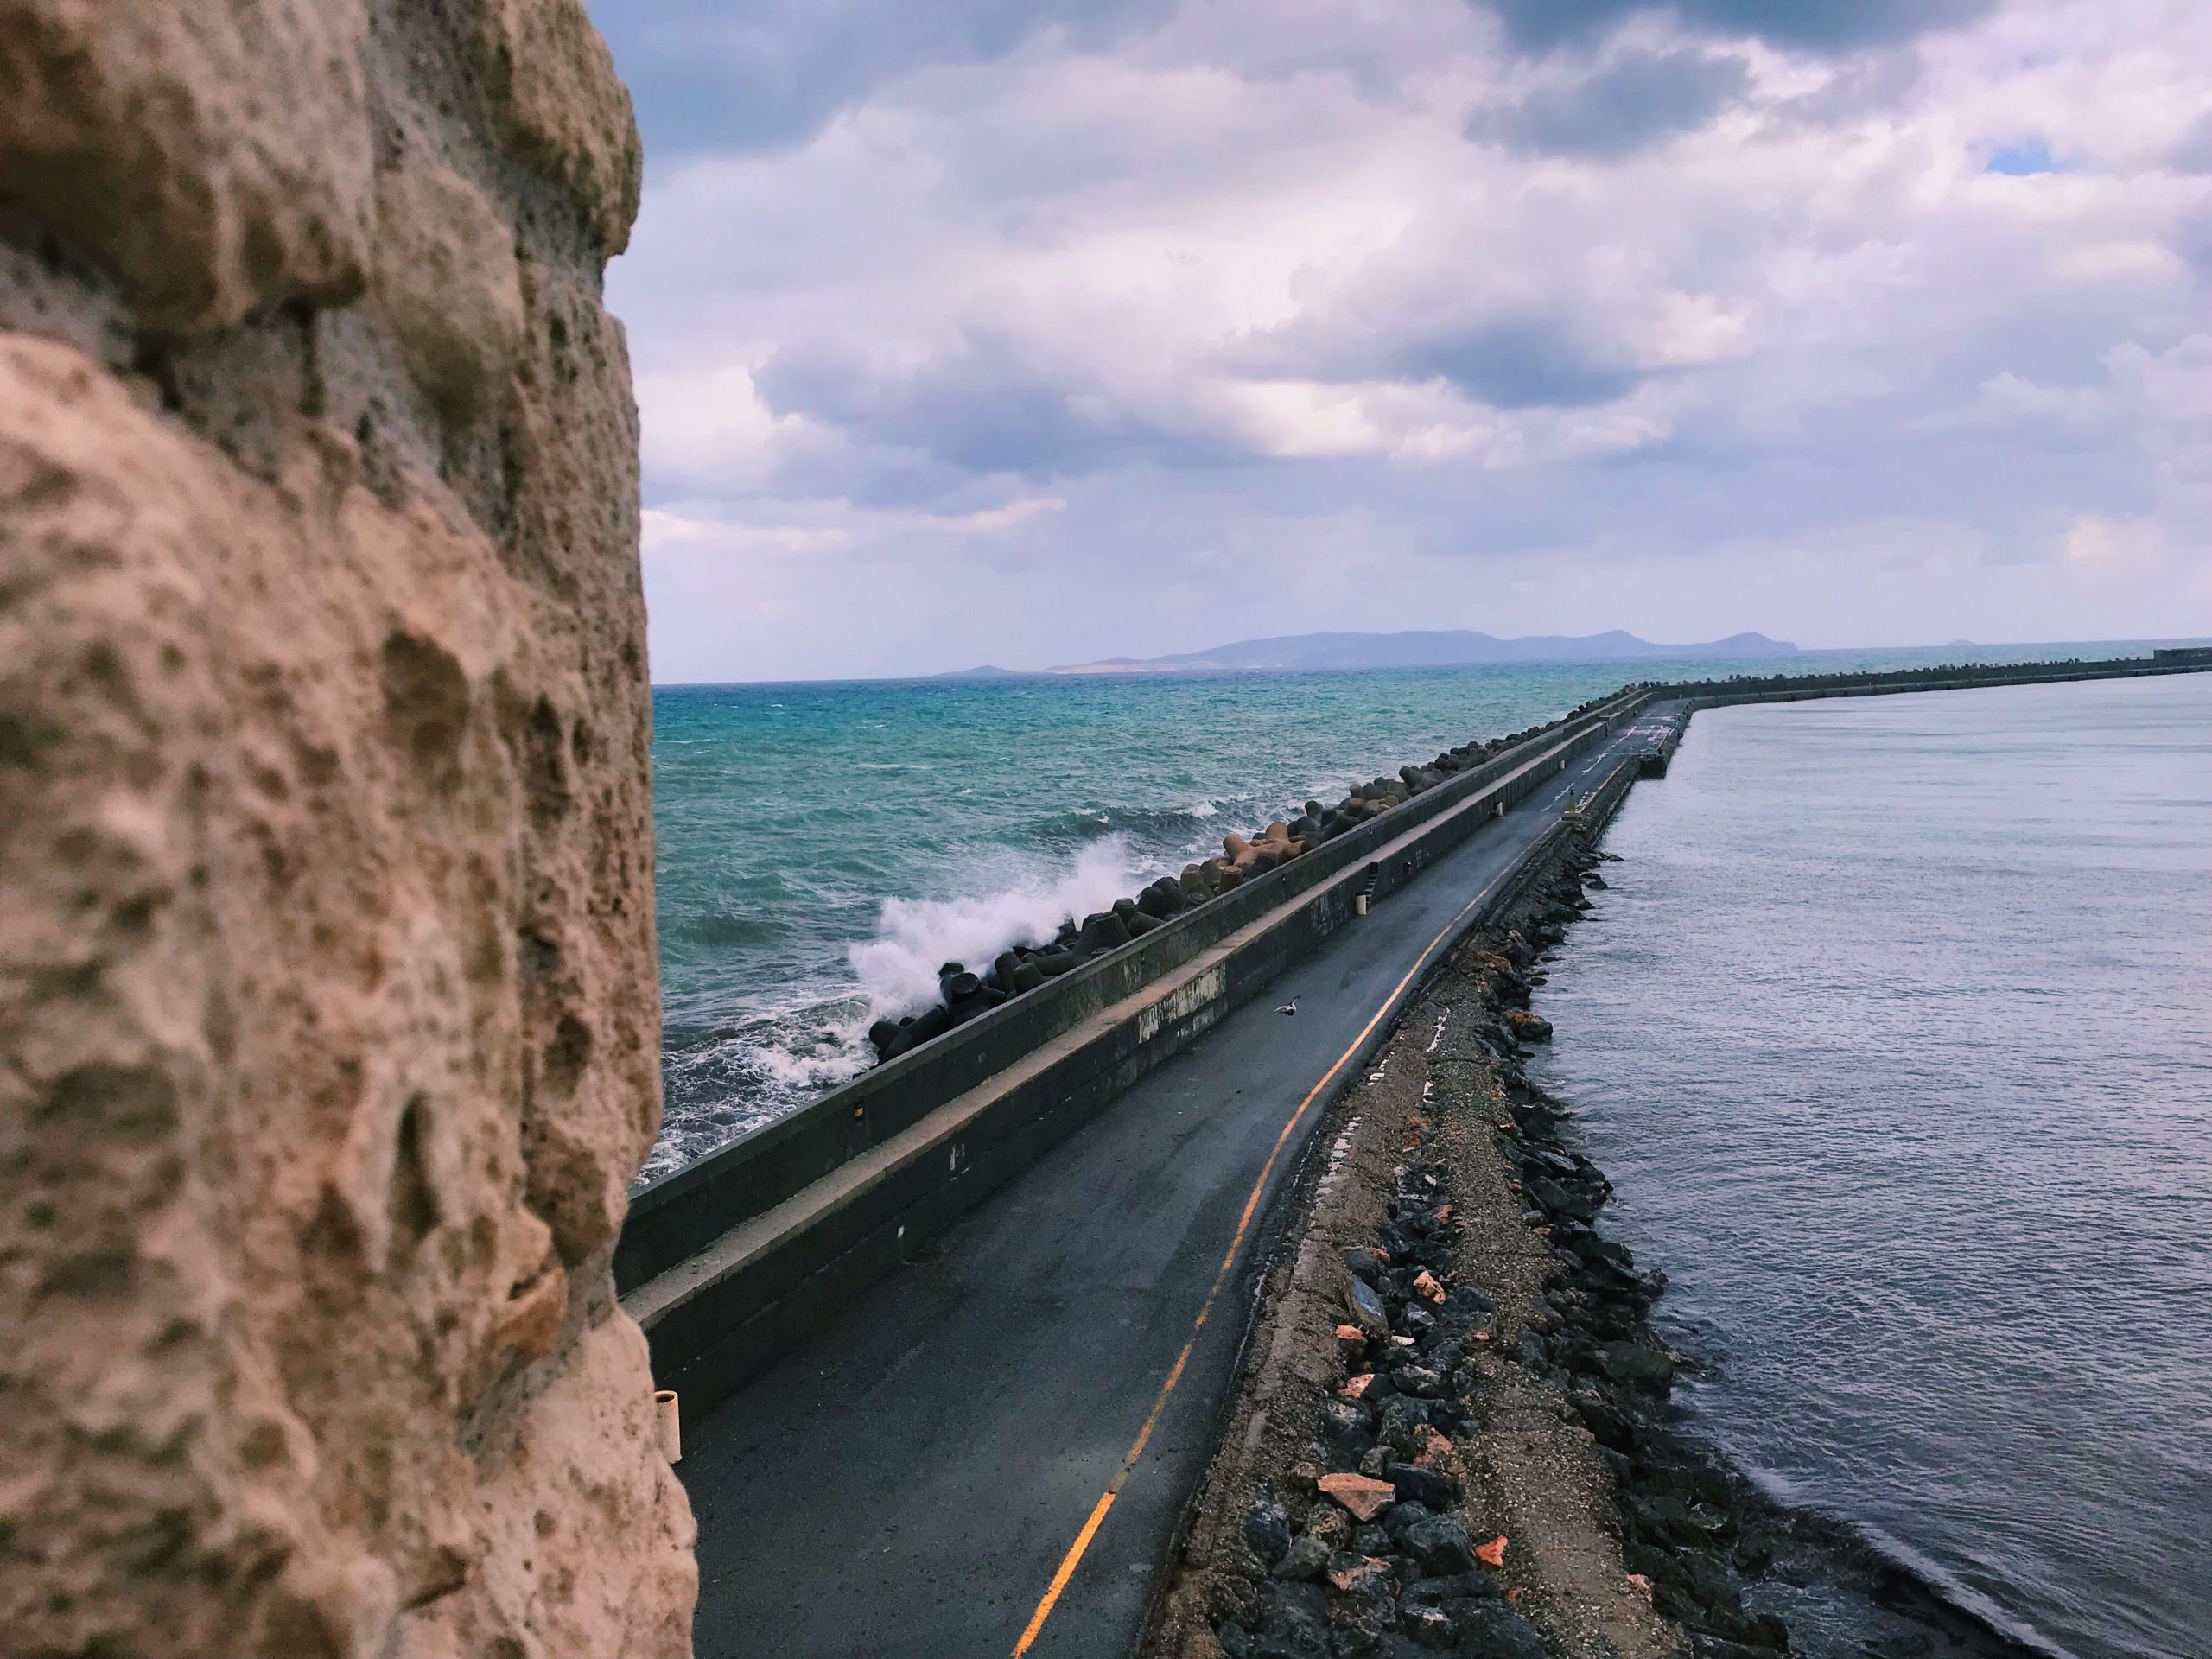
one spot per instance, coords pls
(1895, 1034)
(824, 847)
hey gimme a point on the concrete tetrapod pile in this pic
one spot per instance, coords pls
(963, 993)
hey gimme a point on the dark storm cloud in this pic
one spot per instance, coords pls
(1636, 101)
(1819, 25)
(2194, 153)
(1068, 334)
(1524, 361)
(1520, 364)
(988, 406)
(769, 73)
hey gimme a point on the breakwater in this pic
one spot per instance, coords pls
(1028, 966)
(1456, 1423)
(825, 849)
(729, 1261)
(1025, 966)
(726, 1262)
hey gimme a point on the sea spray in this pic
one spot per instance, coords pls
(792, 1039)
(784, 815)
(898, 968)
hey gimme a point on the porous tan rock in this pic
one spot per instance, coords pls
(210, 159)
(327, 1003)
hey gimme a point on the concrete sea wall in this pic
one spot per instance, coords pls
(1029, 965)
(727, 1262)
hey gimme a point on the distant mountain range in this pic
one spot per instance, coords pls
(1430, 648)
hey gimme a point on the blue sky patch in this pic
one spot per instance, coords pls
(2030, 155)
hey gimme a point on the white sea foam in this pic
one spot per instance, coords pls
(897, 968)
(806, 1070)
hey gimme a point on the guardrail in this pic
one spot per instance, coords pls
(726, 1306)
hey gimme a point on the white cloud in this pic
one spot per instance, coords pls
(1037, 349)
(2099, 541)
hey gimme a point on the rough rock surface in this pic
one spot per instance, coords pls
(329, 1020)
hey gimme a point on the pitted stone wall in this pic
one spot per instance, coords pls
(329, 1033)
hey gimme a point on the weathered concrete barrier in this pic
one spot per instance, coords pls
(1713, 694)
(1684, 700)
(684, 1211)
(730, 1262)
(747, 1258)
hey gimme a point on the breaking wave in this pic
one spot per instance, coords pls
(897, 968)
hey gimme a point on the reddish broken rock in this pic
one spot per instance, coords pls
(1362, 1575)
(1493, 1553)
(1364, 1497)
(1358, 1385)
(1433, 1447)
(1427, 1288)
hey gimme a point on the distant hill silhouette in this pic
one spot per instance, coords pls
(1429, 648)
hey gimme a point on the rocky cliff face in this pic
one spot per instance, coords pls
(328, 1027)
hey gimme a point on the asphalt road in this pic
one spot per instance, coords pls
(911, 1482)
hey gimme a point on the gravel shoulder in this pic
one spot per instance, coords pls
(1454, 1431)
(1416, 1157)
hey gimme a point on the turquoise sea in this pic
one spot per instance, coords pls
(824, 847)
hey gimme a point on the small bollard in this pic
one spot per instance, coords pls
(670, 1426)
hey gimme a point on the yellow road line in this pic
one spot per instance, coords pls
(1074, 1557)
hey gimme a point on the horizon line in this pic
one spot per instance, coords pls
(1085, 671)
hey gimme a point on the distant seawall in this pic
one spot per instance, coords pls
(1790, 688)
(1693, 694)
(729, 1261)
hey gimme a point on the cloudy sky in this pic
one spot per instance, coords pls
(1005, 331)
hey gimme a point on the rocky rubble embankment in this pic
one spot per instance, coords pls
(1455, 1432)
(1450, 1438)
(1686, 1539)
(965, 993)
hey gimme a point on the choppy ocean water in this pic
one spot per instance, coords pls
(1895, 1034)
(824, 847)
